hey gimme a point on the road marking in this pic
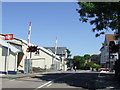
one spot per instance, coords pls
(52, 81)
(43, 85)
(12, 80)
(49, 85)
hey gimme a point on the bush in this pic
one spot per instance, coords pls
(96, 66)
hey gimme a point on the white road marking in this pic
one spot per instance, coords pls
(49, 85)
(43, 85)
(52, 81)
(12, 80)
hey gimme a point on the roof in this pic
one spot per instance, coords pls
(43, 49)
(24, 41)
(49, 52)
(108, 38)
(14, 38)
(60, 50)
(12, 48)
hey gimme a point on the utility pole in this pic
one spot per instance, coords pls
(55, 53)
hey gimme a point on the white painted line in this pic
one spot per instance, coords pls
(43, 85)
(52, 81)
(12, 80)
(49, 85)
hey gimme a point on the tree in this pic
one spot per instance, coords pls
(68, 53)
(78, 61)
(69, 61)
(104, 15)
(87, 56)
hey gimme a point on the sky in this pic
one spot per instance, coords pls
(51, 20)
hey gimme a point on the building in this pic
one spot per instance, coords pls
(43, 59)
(62, 53)
(107, 58)
(19, 44)
(8, 58)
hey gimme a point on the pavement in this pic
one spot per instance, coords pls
(22, 75)
(82, 79)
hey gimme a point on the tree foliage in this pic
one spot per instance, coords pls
(80, 62)
(87, 56)
(103, 15)
(69, 60)
(68, 53)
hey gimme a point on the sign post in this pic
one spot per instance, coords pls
(8, 37)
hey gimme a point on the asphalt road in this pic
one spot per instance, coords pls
(70, 79)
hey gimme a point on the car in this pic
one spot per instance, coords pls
(104, 70)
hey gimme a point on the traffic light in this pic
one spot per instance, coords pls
(32, 48)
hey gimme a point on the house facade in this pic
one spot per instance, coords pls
(8, 58)
(107, 59)
(62, 53)
(43, 59)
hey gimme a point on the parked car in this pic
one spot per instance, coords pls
(104, 70)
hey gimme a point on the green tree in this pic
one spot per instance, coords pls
(87, 56)
(68, 53)
(69, 60)
(103, 15)
(78, 61)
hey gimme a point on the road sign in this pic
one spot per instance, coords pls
(32, 48)
(9, 37)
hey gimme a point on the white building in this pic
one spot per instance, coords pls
(62, 53)
(44, 59)
(8, 58)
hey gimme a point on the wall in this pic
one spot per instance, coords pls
(7, 65)
(44, 59)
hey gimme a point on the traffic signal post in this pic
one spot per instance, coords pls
(30, 49)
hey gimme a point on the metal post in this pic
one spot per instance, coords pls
(28, 41)
(30, 62)
(55, 53)
(15, 63)
(7, 62)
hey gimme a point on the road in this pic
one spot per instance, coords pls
(69, 79)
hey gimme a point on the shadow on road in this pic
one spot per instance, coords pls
(83, 80)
